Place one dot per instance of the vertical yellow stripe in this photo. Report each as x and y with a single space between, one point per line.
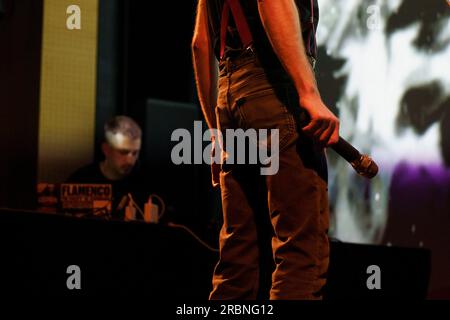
68 89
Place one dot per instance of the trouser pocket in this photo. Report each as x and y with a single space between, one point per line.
265 113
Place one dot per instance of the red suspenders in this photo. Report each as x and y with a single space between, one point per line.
243 29
241 24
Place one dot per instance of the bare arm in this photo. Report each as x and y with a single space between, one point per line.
205 65
206 74
281 22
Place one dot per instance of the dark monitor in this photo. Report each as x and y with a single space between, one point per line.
186 186
2 8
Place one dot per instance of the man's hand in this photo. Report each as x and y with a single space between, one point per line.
324 125
281 21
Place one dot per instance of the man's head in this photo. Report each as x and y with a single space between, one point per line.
122 146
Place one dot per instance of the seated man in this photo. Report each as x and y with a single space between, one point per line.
120 167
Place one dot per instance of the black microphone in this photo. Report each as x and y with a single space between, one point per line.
362 163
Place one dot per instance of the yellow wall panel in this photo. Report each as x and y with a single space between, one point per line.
68 89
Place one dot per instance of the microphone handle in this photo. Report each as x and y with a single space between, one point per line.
363 164
346 150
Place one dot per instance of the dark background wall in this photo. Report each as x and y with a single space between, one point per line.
110 91
20 45
157 59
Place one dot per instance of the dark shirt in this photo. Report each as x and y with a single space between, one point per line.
135 183
309 16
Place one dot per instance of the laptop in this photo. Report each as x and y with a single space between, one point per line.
75 198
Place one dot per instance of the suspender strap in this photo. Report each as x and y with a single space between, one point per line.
241 24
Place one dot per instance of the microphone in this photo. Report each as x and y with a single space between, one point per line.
362 163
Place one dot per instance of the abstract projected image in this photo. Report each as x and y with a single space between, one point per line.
384 65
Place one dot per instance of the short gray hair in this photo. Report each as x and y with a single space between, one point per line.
124 125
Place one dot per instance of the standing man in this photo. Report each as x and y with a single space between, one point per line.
266 50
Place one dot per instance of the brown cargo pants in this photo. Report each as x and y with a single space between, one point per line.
273 242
